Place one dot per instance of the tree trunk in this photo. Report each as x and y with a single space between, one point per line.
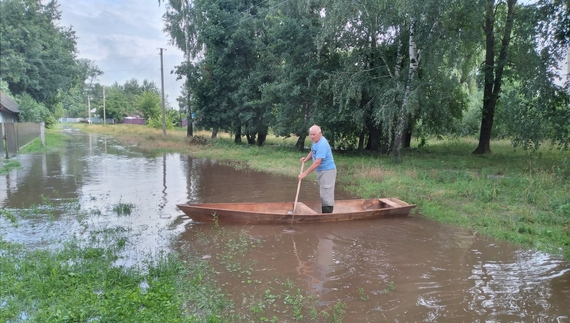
361 139
237 135
373 137
300 144
402 118
493 74
402 122
261 137
250 138
373 132
408 136
214 133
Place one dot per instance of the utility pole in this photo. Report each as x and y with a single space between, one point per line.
162 83
104 115
89 109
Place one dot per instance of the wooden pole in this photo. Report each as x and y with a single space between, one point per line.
297 196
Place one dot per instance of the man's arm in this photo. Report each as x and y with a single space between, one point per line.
314 166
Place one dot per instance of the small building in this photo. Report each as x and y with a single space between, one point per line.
8 117
8 109
133 120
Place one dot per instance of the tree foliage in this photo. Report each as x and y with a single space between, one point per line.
374 73
116 103
32 111
148 103
38 56
225 83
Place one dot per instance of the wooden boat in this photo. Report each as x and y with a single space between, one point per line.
305 212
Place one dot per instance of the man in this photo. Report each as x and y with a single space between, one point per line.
323 165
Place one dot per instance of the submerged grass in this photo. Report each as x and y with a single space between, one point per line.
124 208
7 165
81 284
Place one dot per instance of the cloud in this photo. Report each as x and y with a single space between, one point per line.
123 37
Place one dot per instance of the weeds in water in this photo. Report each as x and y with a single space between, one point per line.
35 211
363 296
338 312
297 300
389 288
46 201
5 213
8 165
89 288
123 208
215 219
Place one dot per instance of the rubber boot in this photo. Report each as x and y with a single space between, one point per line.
327 209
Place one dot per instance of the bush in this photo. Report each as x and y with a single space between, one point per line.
156 122
32 111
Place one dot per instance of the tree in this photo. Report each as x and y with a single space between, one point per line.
371 73
393 55
38 57
149 104
536 105
88 73
296 68
85 84
32 111
493 68
225 94
116 101
74 103
532 42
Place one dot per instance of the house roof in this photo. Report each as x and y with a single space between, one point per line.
6 103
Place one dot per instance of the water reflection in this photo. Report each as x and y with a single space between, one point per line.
402 270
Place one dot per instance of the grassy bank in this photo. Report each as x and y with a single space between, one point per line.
54 139
510 194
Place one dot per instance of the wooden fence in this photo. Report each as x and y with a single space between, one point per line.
17 135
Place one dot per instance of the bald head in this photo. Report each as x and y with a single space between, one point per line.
314 128
315 133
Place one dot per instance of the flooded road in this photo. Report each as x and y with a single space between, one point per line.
392 270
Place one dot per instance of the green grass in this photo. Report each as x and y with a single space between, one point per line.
8 164
123 208
54 139
81 284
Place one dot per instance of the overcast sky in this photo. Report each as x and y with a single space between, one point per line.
123 37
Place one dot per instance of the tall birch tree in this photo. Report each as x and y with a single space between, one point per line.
395 53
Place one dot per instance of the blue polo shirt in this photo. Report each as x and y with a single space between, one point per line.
322 149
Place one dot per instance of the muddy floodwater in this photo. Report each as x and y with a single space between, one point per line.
393 270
